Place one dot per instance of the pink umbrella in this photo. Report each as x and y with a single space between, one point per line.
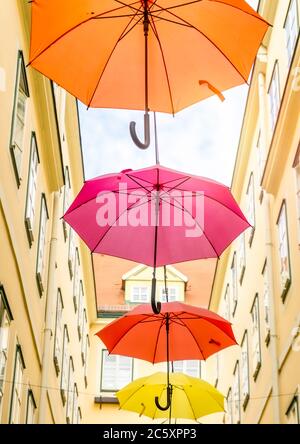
156 216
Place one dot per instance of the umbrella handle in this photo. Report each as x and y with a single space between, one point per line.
156 306
169 399
142 145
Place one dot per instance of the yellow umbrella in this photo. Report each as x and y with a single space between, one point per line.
191 398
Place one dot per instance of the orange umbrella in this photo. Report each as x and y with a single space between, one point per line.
159 55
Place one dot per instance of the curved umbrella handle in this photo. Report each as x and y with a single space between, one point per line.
156 306
142 145
169 400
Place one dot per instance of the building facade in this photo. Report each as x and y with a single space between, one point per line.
46 276
257 281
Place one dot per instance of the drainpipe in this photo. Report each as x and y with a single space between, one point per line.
50 312
269 254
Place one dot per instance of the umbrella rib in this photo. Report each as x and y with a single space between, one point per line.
139 184
105 192
192 334
175 186
154 29
111 53
185 211
132 394
75 27
127 209
190 403
157 338
208 38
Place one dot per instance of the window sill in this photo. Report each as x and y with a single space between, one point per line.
106 400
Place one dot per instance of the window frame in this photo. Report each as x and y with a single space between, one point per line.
295 401
20 71
139 301
267 308
29 224
236 380
234 284
70 392
30 396
163 297
76 280
255 306
242 258
40 274
251 187
6 313
113 390
58 359
18 355
290 55
66 197
229 405
185 370
245 396
275 74
65 360
284 288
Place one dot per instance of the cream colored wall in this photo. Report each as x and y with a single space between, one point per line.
17 259
278 184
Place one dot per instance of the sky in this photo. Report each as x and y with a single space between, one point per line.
202 139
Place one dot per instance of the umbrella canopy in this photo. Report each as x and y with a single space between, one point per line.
156 216
191 333
192 398
108 52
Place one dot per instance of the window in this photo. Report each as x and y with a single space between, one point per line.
75 404
81 312
5 318
291 27
172 294
251 206
76 284
236 408
58 338
31 188
293 413
227 303
234 291
242 257
140 294
72 252
255 333
217 369
85 358
70 394
274 95
79 416
191 367
41 252
261 155
31 408
65 367
245 371
17 388
229 409
19 116
266 302
67 197
285 271
116 371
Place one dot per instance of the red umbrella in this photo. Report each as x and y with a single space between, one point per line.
178 332
156 216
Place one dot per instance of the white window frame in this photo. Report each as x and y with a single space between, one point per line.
266 301
227 312
242 257
185 367
284 251
5 320
297 170
81 312
85 358
245 370
236 401
64 366
291 27
30 408
21 95
71 252
274 95
116 385
139 299
234 283
76 283
41 250
75 404
261 154
67 199
59 332
70 392
251 206
17 388
229 407
173 294
255 335
31 188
